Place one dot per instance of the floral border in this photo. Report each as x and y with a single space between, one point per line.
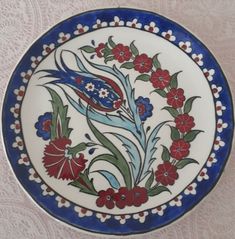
117 20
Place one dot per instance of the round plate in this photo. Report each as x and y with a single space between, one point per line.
117 121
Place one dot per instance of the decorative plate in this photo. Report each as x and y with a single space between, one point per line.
117 121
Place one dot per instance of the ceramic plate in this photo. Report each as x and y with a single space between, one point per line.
117 121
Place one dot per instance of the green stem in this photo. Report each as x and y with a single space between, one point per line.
78 148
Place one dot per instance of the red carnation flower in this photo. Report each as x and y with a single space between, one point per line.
179 149
184 123
160 79
106 198
140 196
166 174
121 53
99 50
123 197
176 97
143 63
59 164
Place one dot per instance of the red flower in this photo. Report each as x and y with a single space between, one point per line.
123 197
106 198
166 174
121 53
60 165
179 149
184 123
160 79
143 63
140 196
175 97
99 50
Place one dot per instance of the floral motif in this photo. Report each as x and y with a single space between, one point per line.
35 62
176 201
140 196
106 198
134 23
99 24
15 110
198 58
99 50
203 175
216 90
185 46
142 63
122 218
218 143
24 160
19 93
103 93
175 97
18 143
26 76
184 123
221 125
211 160
46 190
81 29
141 216
62 202
168 35
103 216
43 126
121 53
160 79
63 37
90 87
166 174
59 163
191 189
219 108
47 49
152 27
159 210
116 22
123 197
145 108
16 127
83 212
33 176
208 73
179 149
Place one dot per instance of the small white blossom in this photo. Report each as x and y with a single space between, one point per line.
18 143
159 210
19 93
103 93
219 108
90 87
33 176
191 189
186 46
221 125
151 27
26 76
211 160
202 175
63 37
218 143
47 49
122 218
134 23
62 202
81 29
198 59
176 201
24 160
99 24
116 22
35 61
103 216
209 73
216 90
16 126
141 216
168 35
15 110
46 190
83 212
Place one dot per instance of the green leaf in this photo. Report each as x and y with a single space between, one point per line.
60 121
111 42
174 113
117 159
157 190
160 92
165 154
175 135
143 77
183 162
191 135
156 62
127 65
88 49
108 58
174 80
188 104
107 51
134 49
149 182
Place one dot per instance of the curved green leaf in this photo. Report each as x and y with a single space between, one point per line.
174 80
188 104
191 135
174 113
183 162
156 62
175 134
157 190
143 77
111 42
149 182
88 49
165 154
134 49
127 65
162 93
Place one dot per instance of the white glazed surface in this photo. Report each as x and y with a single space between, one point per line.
21 22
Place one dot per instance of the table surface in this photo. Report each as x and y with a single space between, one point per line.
22 21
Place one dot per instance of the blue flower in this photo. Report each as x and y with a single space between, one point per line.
145 108
43 126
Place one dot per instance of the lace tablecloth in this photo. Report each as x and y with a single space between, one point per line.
22 21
